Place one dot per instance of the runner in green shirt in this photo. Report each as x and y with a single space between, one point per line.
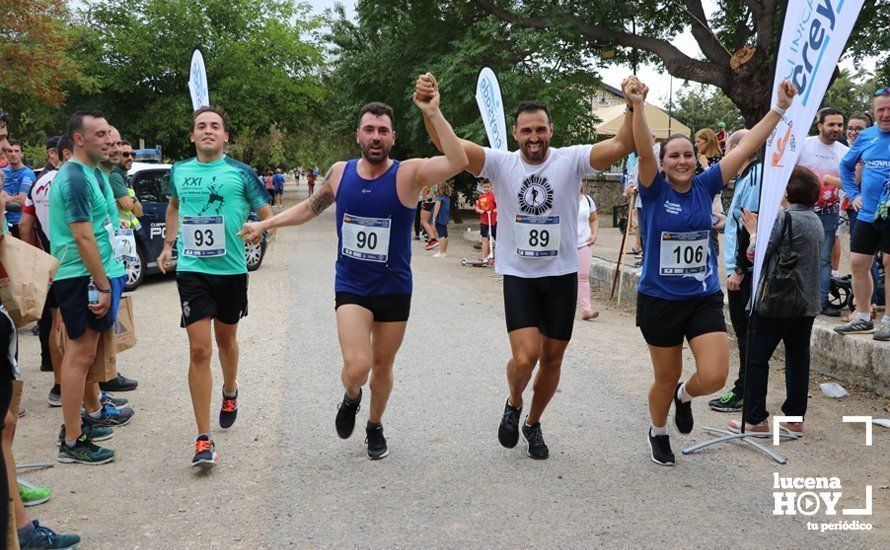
210 198
82 223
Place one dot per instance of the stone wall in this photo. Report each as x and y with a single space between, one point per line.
608 192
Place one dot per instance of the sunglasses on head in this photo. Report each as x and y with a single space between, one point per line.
883 91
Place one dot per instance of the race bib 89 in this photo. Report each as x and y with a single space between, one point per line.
537 236
203 236
684 253
365 239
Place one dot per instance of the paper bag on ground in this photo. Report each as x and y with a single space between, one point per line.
125 327
25 276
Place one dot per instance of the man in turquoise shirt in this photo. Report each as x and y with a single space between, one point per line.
210 198
82 213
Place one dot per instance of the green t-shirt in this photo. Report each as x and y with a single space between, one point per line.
81 194
215 199
118 180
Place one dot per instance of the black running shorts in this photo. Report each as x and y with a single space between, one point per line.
868 237
386 308
664 323
547 303
486 230
222 297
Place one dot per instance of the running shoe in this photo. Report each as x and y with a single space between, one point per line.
228 412
94 433
84 451
32 496
537 449
660 449
440 255
107 399
508 431
754 430
682 413
346 412
205 452
377 448
54 398
431 245
119 383
110 416
830 311
38 537
726 403
883 332
856 326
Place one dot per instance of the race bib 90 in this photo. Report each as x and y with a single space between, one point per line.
365 238
684 253
537 236
203 236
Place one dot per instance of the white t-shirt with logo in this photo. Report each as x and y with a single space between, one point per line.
39 198
537 210
823 160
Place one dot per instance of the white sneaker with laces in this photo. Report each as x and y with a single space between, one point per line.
440 255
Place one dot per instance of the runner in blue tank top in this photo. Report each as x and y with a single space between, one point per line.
376 197
679 293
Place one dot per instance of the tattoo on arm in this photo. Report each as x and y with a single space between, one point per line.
323 196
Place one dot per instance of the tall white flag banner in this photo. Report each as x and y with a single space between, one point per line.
488 97
198 82
813 38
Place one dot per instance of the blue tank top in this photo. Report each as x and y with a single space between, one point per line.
374 235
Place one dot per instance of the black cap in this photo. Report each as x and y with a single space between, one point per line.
53 142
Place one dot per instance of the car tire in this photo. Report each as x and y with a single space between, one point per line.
136 270
254 255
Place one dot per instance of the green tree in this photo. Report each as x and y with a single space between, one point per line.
704 106
260 66
648 28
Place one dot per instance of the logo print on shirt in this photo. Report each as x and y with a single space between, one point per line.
535 196
214 198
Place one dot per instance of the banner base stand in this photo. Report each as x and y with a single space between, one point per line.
726 435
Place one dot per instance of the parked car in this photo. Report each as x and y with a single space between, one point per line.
150 182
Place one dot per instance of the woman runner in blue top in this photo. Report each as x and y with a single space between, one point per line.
376 197
679 293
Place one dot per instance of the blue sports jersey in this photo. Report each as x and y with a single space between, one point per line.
872 149
679 262
374 233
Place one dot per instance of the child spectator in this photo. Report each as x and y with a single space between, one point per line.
441 214
488 220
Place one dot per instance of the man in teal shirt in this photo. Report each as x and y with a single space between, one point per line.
210 198
82 216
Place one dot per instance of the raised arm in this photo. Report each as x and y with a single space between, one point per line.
606 153
647 165
436 169
426 86
754 140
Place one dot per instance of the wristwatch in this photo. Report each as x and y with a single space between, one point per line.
739 270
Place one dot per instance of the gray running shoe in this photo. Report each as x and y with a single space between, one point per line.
883 332
856 326
84 452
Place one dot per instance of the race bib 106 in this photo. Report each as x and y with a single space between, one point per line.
365 238
684 253
203 236
537 236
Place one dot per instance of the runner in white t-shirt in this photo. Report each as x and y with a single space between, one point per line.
536 190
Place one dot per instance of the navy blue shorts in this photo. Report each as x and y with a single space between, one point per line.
73 299
486 230
442 230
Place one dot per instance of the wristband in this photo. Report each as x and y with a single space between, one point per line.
779 110
630 108
104 291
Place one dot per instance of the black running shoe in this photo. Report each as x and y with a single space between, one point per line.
682 413
508 431
119 383
731 402
660 449
377 448
205 452
228 412
346 412
537 449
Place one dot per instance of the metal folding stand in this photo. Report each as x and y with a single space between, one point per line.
726 435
